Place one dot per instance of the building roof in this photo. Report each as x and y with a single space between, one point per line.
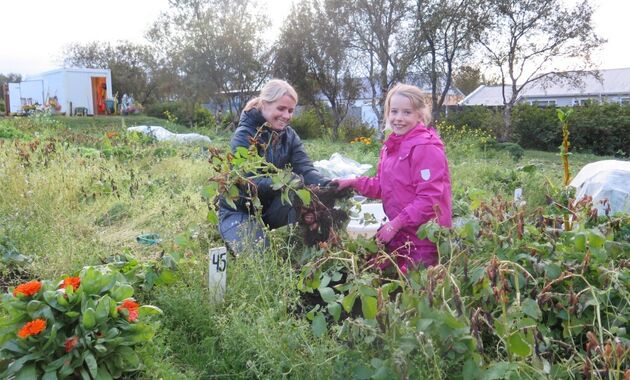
486 96
610 82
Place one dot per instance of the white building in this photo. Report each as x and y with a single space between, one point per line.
612 86
65 90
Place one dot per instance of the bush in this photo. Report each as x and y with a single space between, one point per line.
515 150
602 129
308 124
2 106
351 128
86 326
477 117
536 127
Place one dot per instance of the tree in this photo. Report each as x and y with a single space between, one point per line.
315 35
529 39
467 79
133 66
448 30
8 78
215 47
381 39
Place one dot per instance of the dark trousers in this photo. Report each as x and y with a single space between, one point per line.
243 233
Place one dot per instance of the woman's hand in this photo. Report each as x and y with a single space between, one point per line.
387 232
343 183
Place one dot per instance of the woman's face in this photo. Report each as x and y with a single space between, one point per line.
279 113
402 117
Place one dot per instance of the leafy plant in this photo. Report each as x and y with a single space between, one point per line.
87 326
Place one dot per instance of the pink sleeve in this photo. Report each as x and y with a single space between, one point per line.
370 186
430 167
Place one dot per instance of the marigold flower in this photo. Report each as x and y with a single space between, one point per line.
132 308
71 343
32 328
74 281
27 289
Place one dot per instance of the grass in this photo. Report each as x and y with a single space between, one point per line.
75 207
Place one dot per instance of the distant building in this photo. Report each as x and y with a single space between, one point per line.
361 109
613 86
64 90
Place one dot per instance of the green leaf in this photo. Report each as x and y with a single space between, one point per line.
166 277
369 307
553 271
90 361
500 370
28 372
470 370
210 191
89 318
348 301
335 310
319 325
530 307
129 356
305 196
102 309
596 239
51 375
103 374
121 292
212 217
328 294
517 345
145 310
33 306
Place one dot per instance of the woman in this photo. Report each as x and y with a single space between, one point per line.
412 179
265 119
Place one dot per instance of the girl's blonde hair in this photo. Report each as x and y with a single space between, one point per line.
272 91
415 95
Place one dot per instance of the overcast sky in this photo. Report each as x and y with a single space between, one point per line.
36 31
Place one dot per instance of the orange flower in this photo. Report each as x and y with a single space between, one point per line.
32 328
73 281
71 343
28 289
132 308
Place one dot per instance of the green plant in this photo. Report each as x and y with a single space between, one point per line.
308 124
86 326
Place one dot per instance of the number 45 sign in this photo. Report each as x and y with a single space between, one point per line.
217 273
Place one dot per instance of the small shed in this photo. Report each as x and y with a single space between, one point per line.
64 90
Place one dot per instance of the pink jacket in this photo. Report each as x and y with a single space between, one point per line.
414 183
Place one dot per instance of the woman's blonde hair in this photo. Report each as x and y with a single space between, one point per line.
272 91
415 95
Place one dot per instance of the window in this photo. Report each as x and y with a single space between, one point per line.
544 103
625 101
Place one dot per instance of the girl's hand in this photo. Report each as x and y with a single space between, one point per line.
387 231
343 183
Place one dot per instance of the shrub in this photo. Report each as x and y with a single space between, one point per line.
536 127
86 326
2 106
602 129
477 117
515 150
351 129
308 124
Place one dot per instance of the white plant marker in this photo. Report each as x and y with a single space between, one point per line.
217 273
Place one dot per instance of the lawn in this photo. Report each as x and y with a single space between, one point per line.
516 295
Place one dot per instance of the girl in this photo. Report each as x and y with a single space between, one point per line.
412 179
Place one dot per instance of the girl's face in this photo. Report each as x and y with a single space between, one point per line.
402 117
279 113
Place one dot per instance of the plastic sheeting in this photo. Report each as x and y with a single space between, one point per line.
610 180
341 167
162 134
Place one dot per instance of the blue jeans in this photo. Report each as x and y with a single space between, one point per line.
242 232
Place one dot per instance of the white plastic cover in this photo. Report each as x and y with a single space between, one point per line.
608 179
341 167
162 134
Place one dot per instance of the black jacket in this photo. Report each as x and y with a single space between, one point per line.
285 149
